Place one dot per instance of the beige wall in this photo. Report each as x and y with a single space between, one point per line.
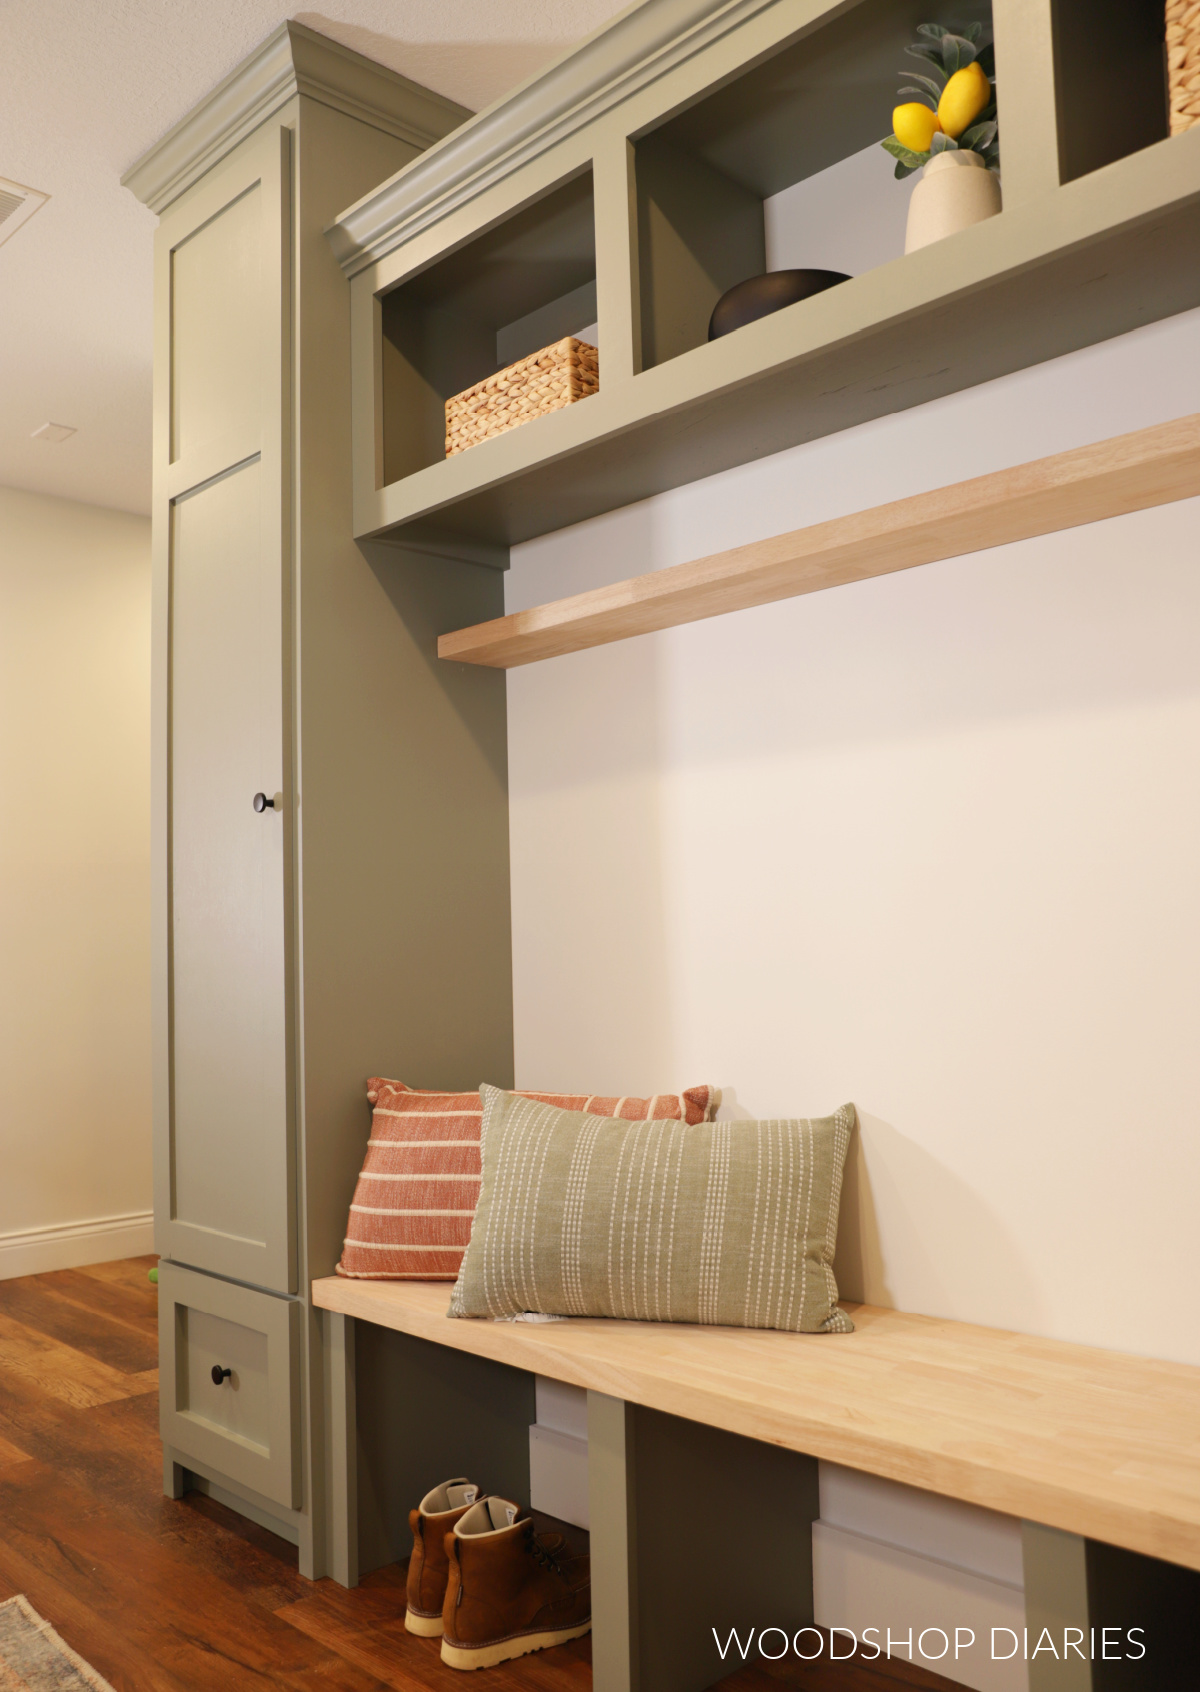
74 883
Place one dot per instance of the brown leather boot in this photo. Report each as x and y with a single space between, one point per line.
428 1567
511 1590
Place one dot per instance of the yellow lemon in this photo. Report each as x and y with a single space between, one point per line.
967 93
915 126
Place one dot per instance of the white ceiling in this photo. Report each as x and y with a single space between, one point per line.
84 90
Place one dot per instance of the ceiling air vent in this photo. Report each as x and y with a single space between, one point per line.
17 206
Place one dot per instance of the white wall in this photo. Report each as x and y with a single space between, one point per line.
927 842
74 884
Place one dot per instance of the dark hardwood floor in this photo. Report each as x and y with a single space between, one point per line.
165 1596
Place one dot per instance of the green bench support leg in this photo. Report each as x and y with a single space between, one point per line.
1056 1598
693 1530
342 1423
1131 1616
612 1507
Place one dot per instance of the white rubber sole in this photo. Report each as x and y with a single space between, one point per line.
487 1656
429 1627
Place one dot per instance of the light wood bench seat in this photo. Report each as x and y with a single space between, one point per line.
1094 1442
1097 1452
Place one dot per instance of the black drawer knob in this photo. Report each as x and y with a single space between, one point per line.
262 803
219 1374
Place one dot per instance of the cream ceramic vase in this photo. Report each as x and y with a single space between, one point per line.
956 189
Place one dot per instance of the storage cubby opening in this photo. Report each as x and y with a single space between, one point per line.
521 285
780 168
1110 71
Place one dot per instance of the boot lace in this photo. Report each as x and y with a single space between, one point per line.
546 1556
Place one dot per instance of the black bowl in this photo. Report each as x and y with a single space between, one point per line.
759 296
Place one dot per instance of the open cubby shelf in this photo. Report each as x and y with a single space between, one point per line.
709 176
1111 83
654 166
1149 467
514 288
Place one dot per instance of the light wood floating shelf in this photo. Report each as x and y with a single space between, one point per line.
1092 1442
1129 473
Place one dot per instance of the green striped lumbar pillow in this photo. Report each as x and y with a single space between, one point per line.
716 1222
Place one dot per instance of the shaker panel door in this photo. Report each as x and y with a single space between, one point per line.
229 1012
224 1139
217 307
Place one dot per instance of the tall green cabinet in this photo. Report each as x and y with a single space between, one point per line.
330 814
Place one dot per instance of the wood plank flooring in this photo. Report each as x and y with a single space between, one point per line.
185 1596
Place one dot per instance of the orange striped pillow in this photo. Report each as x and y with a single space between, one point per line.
411 1216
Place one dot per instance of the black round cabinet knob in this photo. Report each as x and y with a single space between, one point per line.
262 803
759 296
219 1374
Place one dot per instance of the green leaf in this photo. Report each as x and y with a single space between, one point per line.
932 56
927 82
979 137
957 51
943 144
906 156
972 32
903 170
923 99
987 61
935 32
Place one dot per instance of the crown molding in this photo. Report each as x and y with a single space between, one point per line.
637 47
293 60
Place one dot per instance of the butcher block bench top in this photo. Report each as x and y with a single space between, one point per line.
1094 1442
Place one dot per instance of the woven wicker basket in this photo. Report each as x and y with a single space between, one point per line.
545 381
1183 63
